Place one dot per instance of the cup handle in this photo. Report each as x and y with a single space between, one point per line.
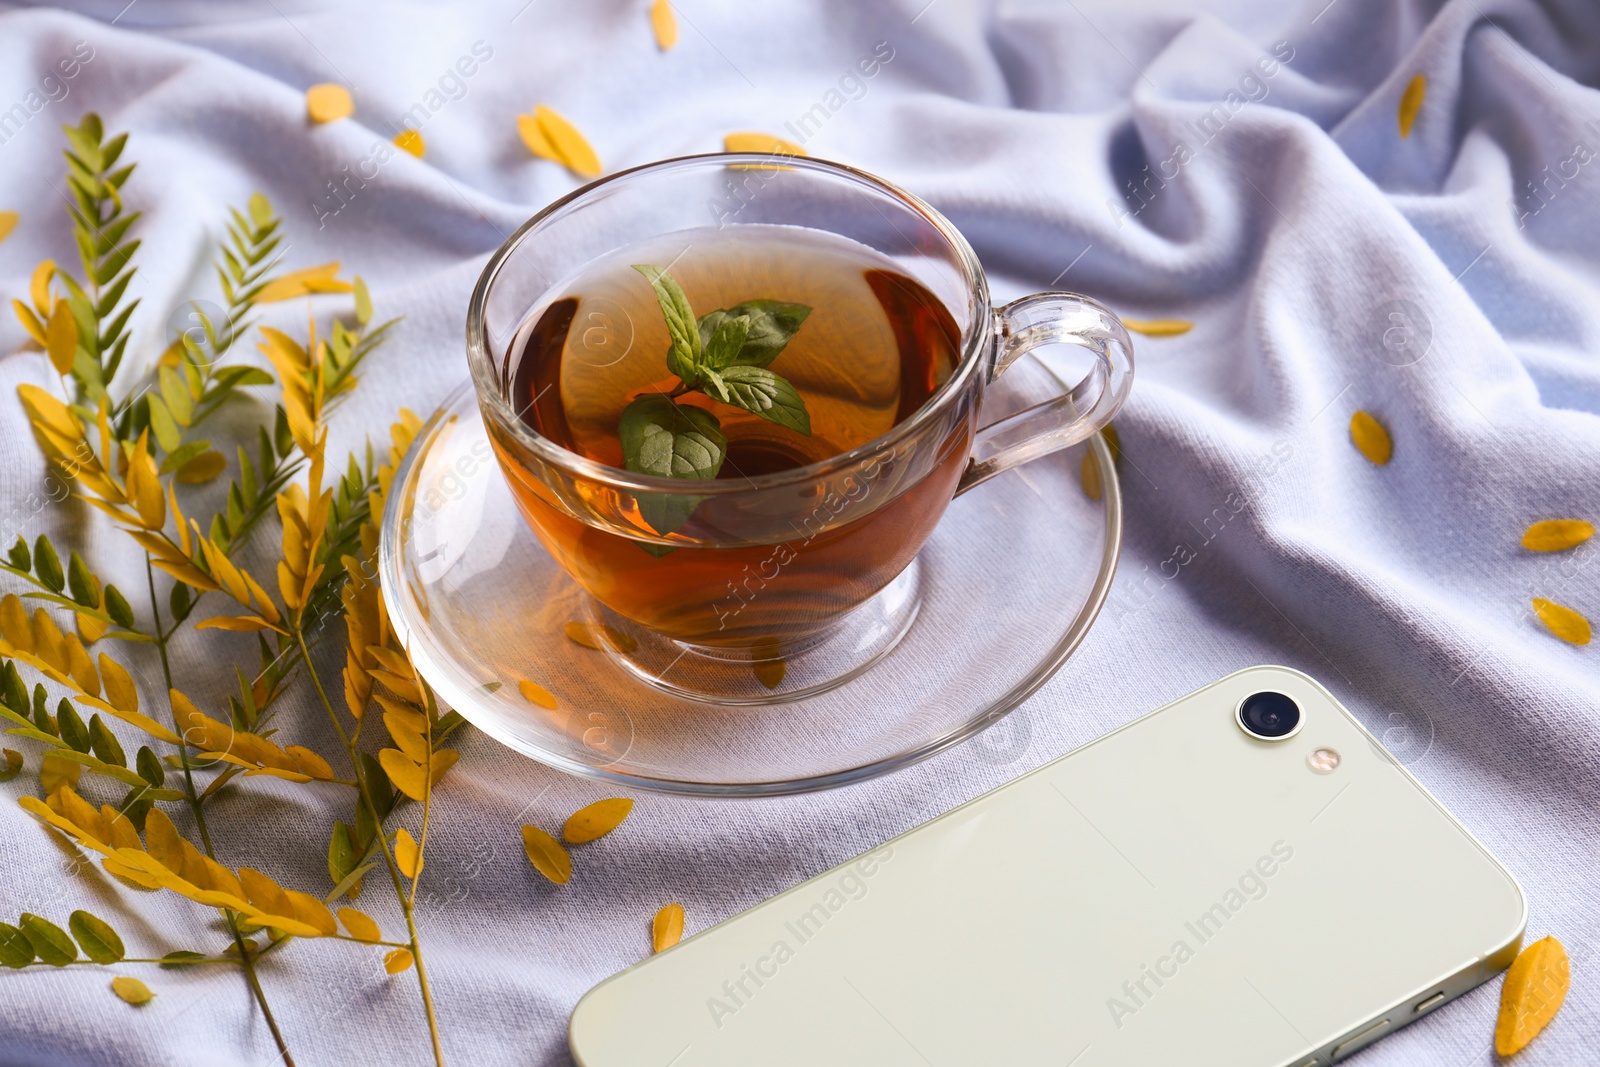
1076 415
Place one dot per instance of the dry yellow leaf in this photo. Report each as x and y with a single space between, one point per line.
328 102
319 279
1411 103
1554 535
9 219
749 141
407 856
547 855
1534 988
131 990
534 693
665 24
1370 438
61 338
599 636
1562 621
55 772
1159 327
596 820
549 135
39 285
1089 470
397 961
769 663
411 141
666 929
360 925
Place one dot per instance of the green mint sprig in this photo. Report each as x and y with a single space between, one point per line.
723 354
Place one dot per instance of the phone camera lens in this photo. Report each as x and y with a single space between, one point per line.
1269 716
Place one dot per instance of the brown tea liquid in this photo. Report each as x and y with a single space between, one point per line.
874 349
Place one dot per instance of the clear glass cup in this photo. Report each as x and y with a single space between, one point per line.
813 563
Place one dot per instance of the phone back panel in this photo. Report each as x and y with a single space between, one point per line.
1174 892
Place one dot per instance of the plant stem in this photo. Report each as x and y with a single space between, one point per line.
365 793
200 822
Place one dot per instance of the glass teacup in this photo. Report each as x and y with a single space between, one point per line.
815 560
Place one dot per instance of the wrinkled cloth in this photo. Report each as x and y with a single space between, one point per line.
1240 167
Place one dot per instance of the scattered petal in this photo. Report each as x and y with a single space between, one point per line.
1554 535
666 929
1562 621
599 636
596 820
1534 988
1159 327
328 102
1370 438
1411 103
411 141
760 142
397 961
534 693
665 24
9 219
547 855
131 990
549 135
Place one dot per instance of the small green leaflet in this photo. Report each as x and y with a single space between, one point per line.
100 943
772 324
683 358
764 393
671 440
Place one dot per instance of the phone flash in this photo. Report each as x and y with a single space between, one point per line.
1324 760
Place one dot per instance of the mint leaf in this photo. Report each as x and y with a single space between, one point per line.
772 325
764 393
665 512
671 440
725 342
683 358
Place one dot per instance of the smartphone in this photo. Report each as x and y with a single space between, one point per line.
1243 878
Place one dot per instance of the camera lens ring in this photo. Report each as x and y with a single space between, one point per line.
1269 716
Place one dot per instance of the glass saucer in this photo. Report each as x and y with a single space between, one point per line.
1009 583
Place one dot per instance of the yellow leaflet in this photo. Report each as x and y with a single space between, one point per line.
411 141
202 468
360 925
404 772
666 929
664 23
54 773
1159 327
1534 988
328 102
1370 438
1562 621
9 220
131 990
442 761
1554 535
404 688
534 693
1411 103
61 338
750 141
397 961
132 718
769 663
596 820
547 855
549 135
533 136
319 279
39 286
599 636
30 322
1089 477
244 624
407 856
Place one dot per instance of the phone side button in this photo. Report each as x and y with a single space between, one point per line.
1371 1033
1429 1003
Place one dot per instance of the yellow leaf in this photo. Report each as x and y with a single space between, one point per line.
407 856
1411 103
401 687
1159 327
410 141
770 666
61 338
547 855
664 23
55 772
120 690
596 820
750 141
8 222
1554 535
1534 988
327 102
599 636
202 468
1562 621
404 772
393 660
534 693
31 323
360 925
442 761
319 279
666 929
131 990
1370 438
244 624
552 137
39 286
397 961
132 718
309 762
